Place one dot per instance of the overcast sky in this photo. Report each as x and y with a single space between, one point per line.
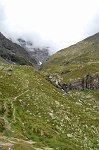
54 23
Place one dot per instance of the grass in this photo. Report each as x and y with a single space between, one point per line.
38 111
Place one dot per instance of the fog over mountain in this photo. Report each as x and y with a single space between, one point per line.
49 23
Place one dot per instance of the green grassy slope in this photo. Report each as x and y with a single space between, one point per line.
75 61
33 109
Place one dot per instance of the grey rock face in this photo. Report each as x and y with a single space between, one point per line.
90 82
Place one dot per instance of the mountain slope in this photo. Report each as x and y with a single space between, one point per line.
33 109
74 62
41 54
14 53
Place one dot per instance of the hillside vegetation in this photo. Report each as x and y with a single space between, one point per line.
33 109
74 62
36 115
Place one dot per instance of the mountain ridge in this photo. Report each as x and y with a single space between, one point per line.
14 53
74 62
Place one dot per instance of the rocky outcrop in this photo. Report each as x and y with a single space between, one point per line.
90 82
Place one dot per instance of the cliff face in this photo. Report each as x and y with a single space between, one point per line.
90 82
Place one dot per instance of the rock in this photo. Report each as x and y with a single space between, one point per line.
1 67
89 82
65 63
64 71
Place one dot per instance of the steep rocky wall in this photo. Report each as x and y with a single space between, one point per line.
90 82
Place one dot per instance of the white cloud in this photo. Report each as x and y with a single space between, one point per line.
59 23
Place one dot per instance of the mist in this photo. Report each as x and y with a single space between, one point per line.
49 23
